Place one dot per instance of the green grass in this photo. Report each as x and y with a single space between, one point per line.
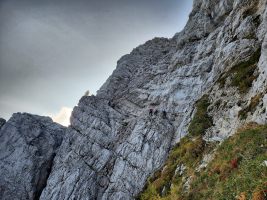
243 74
189 151
221 180
201 120
249 148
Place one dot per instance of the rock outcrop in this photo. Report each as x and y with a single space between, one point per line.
28 145
2 122
123 134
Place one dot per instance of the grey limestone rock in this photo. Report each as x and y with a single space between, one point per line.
27 148
2 122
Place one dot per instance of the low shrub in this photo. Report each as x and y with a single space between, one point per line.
201 120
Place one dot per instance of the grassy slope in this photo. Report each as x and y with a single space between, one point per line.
236 172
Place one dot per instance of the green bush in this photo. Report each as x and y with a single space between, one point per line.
201 120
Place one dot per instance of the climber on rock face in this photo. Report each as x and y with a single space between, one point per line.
164 114
150 111
156 112
112 105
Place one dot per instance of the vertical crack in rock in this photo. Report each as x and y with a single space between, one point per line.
2 122
44 173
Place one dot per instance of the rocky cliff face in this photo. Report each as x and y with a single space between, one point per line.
28 145
123 134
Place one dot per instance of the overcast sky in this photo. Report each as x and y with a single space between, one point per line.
52 51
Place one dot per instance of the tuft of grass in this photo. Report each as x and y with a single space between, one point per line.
243 74
150 193
201 120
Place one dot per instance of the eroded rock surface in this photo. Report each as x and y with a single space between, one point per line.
28 144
